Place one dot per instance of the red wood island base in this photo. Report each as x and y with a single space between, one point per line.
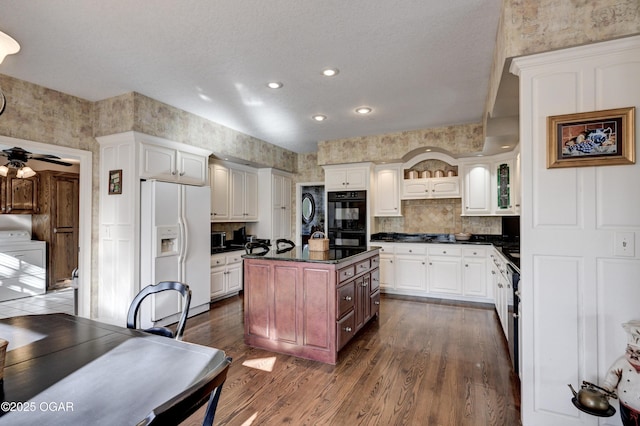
309 304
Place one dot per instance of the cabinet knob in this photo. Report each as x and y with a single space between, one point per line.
466 265
410 251
347 329
348 298
55 230
364 284
444 252
173 173
182 173
377 302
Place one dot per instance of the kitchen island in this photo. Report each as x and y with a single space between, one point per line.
309 304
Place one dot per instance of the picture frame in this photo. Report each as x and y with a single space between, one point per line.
596 138
115 182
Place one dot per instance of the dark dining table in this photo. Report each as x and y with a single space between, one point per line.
62 369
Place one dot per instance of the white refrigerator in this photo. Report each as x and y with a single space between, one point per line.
174 246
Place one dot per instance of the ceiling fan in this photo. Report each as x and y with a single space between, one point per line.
18 158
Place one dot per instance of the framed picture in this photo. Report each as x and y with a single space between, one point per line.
597 138
115 182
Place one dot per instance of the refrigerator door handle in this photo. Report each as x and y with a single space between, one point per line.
184 244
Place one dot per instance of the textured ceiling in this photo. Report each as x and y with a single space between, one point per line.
417 63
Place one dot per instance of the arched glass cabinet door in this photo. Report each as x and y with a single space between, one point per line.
308 207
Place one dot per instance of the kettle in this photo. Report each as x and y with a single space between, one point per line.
592 397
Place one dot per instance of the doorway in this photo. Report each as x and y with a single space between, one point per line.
312 207
84 184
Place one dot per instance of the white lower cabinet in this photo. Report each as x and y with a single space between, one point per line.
387 266
449 271
410 267
501 287
445 270
226 274
474 272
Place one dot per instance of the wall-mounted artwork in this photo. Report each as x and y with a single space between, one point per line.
115 182
597 138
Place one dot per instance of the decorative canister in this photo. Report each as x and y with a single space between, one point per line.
412 174
438 173
425 174
451 173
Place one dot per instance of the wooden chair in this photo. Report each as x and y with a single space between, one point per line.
173 411
184 290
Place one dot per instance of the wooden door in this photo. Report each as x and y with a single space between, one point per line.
63 254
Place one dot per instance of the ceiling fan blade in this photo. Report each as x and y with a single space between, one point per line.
51 160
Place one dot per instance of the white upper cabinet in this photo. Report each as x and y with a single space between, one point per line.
234 193
492 187
243 195
387 190
351 176
477 189
170 164
219 180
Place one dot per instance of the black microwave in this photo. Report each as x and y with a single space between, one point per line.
218 239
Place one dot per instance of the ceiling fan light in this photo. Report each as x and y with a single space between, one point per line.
25 172
8 46
4 170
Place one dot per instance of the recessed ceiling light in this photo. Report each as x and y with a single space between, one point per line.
363 110
274 85
330 72
428 150
319 117
505 146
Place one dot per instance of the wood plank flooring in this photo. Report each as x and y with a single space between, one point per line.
420 363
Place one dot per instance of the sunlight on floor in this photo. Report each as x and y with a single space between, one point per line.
264 364
250 420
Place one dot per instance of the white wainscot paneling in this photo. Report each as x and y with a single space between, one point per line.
556 304
557 195
618 295
616 207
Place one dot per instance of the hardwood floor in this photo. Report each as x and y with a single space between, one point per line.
420 363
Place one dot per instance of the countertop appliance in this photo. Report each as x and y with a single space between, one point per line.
174 248
218 240
347 219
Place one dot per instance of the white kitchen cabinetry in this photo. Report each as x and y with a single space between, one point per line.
387 190
243 191
504 184
226 274
169 164
274 204
477 189
501 288
474 272
219 181
410 267
491 188
387 266
450 271
445 268
444 187
24 269
352 176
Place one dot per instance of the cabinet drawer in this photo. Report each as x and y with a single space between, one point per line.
375 280
346 328
234 258
346 298
445 250
384 248
218 260
363 266
375 303
410 249
346 273
474 252
375 262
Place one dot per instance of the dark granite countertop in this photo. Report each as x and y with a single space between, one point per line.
302 254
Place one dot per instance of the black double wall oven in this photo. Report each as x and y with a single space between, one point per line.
347 219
